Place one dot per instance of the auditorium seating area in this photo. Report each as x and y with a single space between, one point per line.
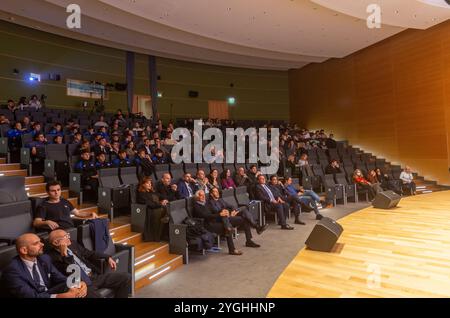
23 176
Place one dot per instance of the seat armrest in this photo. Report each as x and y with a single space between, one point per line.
8 241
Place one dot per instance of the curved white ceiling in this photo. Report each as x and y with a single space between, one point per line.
267 34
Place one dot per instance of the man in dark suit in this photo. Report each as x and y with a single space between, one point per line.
166 190
216 204
102 147
278 190
66 252
215 222
186 186
143 160
272 203
32 275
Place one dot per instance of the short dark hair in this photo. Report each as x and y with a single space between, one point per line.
52 184
273 177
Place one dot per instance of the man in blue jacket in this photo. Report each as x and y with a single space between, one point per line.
32 275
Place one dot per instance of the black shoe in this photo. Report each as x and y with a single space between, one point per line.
260 229
319 217
251 244
299 222
286 227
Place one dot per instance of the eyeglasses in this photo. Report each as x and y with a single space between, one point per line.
67 236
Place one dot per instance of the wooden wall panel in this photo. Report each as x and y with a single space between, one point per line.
392 99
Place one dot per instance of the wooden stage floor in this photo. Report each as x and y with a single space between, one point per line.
403 252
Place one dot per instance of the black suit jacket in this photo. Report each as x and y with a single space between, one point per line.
262 195
18 282
166 193
91 258
206 213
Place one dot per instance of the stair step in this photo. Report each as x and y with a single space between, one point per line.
157 269
146 253
20 173
89 209
34 180
35 188
116 230
9 166
131 238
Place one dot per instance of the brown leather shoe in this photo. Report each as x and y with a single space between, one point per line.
236 252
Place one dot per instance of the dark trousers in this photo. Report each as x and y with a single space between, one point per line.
282 211
369 189
411 187
234 221
119 282
295 204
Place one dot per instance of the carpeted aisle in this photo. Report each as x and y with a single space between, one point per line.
249 275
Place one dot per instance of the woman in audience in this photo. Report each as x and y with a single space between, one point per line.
11 105
214 179
363 184
303 160
226 180
407 178
34 103
130 149
373 179
156 210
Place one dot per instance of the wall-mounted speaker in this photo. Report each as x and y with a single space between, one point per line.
193 94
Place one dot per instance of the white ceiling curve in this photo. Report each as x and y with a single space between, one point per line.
263 34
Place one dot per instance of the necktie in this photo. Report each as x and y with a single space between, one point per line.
36 278
79 262
272 198
189 190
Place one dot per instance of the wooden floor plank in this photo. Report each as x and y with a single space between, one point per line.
402 252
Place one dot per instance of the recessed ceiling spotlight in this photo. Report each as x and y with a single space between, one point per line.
397 12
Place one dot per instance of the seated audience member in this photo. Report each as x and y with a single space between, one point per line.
407 178
130 149
215 222
279 190
12 105
241 179
101 122
203 182
387 183
88 171
34 103
58 140
363 184
306 197
56 130
333 168
373 179
66 252
23 103
156 209
147 147
253 174
36 128
4 120
122 160
166 190
89 134
101 162
32 274
55 212
159 157
102 146
186 186
143 160
115 149
236 218
290 163
76 138
37 147
330 142
15 137
303 161
272 203
227 180
214 179
84 145
26 124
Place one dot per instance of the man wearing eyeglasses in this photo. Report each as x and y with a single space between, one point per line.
66 252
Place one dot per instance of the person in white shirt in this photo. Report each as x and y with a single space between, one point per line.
34 102
407 178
